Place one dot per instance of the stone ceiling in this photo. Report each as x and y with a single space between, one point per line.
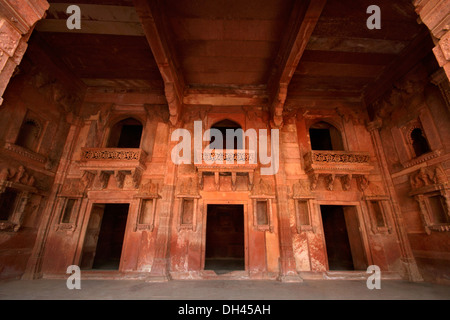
233 52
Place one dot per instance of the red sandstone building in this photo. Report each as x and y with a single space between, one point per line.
87 115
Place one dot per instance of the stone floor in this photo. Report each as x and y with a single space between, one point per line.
221 290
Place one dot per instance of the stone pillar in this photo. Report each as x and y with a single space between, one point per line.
288 272
409 263
17 20
161 264
435 14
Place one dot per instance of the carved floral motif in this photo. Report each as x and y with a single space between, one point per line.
111 154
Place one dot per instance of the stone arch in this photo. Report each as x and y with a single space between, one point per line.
225 124
29 134
126 133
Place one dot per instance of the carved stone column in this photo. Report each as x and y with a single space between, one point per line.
17 20
411 269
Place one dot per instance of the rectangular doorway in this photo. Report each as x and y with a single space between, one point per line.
344 245
225 240
105 232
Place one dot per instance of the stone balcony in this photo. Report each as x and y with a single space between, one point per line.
345 164
226 162
105 162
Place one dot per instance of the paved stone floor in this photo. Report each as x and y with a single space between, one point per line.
221 290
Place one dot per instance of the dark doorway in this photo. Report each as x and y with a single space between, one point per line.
126 134
225 244
344 245
104 237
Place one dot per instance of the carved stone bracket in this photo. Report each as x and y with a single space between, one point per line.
120 178
363 182
103 178
346 182
329 180
314 179
136 176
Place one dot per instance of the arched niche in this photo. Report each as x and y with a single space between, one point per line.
29 135
126 133
325 136
225 125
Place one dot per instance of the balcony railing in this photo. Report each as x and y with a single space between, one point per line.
105 162
112 154
227 159
338 162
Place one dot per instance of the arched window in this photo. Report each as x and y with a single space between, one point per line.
419 142
324 136
29 135
126 134
232 126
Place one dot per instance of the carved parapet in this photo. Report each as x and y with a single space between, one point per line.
332 164
112 154
105 162
338 161
233 162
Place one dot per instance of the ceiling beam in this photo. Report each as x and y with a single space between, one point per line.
302 22
95 19
151 15
225 96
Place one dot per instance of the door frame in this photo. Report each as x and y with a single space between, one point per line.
128 227
361 225
204 207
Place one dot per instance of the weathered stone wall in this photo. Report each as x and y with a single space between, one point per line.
417 103
38 95
17 20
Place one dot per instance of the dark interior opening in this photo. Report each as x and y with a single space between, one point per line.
28 135
104 237
438 212
7 203
225 245
222 126
126 134
344 245
324 136
420 143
